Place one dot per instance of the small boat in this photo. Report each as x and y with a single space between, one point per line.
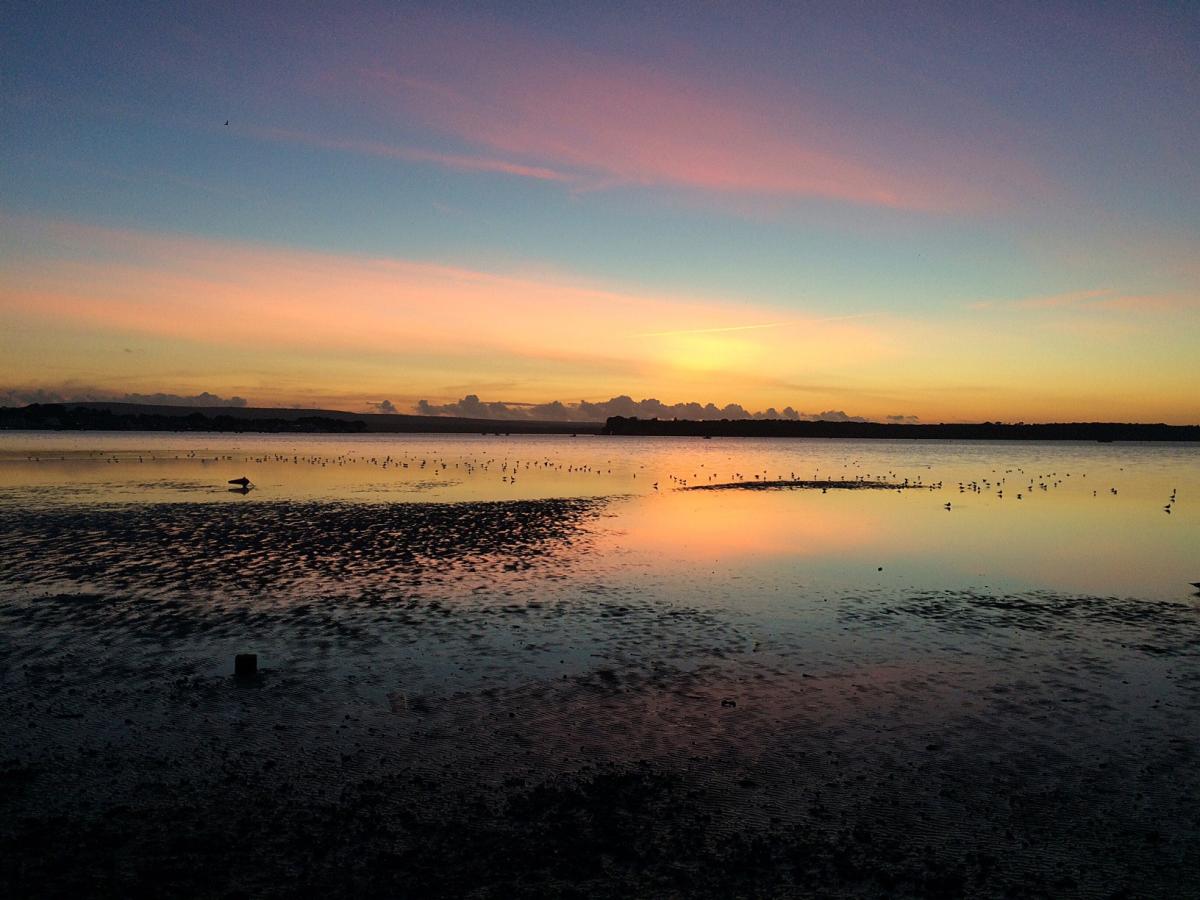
243 481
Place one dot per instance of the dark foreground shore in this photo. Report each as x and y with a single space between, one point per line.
468 701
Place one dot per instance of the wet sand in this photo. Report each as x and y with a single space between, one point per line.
466 700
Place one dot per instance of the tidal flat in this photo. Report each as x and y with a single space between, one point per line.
592 682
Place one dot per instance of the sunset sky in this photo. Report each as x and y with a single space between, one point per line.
955 212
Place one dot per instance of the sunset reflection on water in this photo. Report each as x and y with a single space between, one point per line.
1067 517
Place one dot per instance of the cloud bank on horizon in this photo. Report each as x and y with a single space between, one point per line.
26 396
472 407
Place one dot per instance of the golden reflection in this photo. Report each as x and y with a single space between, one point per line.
1085 518
701 527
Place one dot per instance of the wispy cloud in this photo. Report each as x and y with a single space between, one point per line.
411 154
231 293
600 120
722 330
755 327
281 323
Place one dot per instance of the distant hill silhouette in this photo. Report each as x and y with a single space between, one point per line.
115 416
984 431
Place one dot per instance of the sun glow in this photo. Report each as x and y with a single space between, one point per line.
706 352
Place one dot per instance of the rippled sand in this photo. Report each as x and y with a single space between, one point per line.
471 699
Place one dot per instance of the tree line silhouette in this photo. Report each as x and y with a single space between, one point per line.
983 431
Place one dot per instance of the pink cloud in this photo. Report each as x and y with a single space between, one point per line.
203 289
605 121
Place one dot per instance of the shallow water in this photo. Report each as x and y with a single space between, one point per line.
586 683
1071 517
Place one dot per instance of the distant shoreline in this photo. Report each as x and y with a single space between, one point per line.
269 420
260 420
1102 432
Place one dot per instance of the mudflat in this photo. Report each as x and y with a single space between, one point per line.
474 699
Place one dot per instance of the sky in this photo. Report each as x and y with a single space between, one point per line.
953 212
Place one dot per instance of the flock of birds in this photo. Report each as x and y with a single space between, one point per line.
1015 481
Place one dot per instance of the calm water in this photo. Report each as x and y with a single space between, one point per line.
1070 518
